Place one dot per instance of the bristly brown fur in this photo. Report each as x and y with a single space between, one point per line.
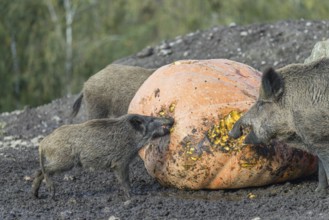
109 92
293 106
98 144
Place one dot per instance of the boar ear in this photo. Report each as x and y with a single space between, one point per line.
272 85
137 122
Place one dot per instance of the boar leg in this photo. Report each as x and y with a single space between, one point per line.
51 169
322 176
37 182
122 174
322 153
38 177
50 185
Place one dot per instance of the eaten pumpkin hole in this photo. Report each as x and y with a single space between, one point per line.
168 111
216 139
218 133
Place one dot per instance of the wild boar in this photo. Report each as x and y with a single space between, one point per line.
293 106
109 92
98 144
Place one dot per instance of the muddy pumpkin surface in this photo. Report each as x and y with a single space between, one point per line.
206 97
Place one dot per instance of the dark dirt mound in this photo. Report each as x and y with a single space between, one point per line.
97 195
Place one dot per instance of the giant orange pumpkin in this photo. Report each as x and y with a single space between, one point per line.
206 97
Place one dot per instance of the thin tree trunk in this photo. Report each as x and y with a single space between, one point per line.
15 67
54 19
69 15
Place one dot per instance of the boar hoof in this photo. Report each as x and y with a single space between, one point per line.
321 191
323 182
35 195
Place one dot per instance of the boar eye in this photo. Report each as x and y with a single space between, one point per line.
261 103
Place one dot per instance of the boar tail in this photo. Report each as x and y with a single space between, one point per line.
76 105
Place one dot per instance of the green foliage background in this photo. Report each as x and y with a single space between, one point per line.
39 63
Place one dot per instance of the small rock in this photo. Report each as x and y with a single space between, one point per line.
178 41
148 51
65 214
232 24
56 119
27 178
106 210
15 144
8 138
190 34
165 52
44 124
126 203
114 218
320 50
72 201
164 46
243 33
210 36
68 177
36 140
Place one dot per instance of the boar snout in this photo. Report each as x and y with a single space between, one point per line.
236 131
168 125
163 127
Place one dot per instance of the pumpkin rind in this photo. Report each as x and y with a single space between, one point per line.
200 95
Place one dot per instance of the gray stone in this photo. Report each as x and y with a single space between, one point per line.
320 50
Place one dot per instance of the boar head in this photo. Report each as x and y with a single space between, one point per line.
151 127
270 117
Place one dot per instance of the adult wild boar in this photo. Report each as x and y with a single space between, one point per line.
293 106
98 144
109 92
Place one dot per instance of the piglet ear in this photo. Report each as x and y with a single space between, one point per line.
272 85
137 122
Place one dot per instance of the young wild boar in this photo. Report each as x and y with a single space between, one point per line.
293 106
98 144
109 92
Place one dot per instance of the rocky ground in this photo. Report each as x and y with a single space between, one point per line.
97 195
